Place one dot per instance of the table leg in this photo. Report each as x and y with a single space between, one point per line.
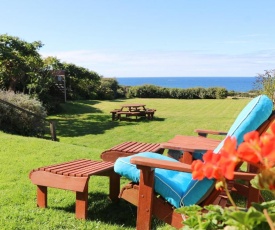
113 116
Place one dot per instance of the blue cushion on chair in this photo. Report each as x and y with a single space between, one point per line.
178 188
250 118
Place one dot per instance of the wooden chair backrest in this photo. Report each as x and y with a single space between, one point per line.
264 127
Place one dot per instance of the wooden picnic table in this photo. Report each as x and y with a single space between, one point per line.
134 109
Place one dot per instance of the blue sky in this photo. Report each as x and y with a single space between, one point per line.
147 38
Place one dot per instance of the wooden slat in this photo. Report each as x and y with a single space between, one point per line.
145 147
57 165
130 145
51 168
93 169
135 147
70 168
138 147
122 146
129 148
77 168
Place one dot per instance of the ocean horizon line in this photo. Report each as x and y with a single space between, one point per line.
177 76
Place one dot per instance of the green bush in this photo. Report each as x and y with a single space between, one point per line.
16 121
221 93
152 91
109 89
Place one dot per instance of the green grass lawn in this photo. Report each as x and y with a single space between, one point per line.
84 130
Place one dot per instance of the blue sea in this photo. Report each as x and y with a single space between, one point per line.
238 84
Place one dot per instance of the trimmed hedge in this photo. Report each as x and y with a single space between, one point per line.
152 91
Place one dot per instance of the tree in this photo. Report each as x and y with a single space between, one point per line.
81 81
19 62
265 83
108 88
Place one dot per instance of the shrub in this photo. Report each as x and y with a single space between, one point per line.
109 89
144 91
152 91
16 121
211 93
221 93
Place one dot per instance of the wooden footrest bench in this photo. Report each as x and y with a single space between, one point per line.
129 148
74 176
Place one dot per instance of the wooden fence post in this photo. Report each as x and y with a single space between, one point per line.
53 130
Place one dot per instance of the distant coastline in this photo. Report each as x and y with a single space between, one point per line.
238 84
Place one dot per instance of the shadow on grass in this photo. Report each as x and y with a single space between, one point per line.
120 213
81 118
79 107
93 124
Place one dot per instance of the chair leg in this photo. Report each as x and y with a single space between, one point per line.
145 200
81 204
42 196
114 186
253 196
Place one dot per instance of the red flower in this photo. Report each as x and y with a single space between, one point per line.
259 149
229 158
197 170
217 165
211 165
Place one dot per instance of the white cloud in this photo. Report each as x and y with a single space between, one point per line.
185 63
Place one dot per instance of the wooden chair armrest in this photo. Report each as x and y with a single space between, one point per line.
178 166
205 132
155 163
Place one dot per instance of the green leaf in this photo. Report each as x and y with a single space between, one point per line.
190 210
269 205
192 222
255 182
214 208
246 220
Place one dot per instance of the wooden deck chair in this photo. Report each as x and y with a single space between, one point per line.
161 184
